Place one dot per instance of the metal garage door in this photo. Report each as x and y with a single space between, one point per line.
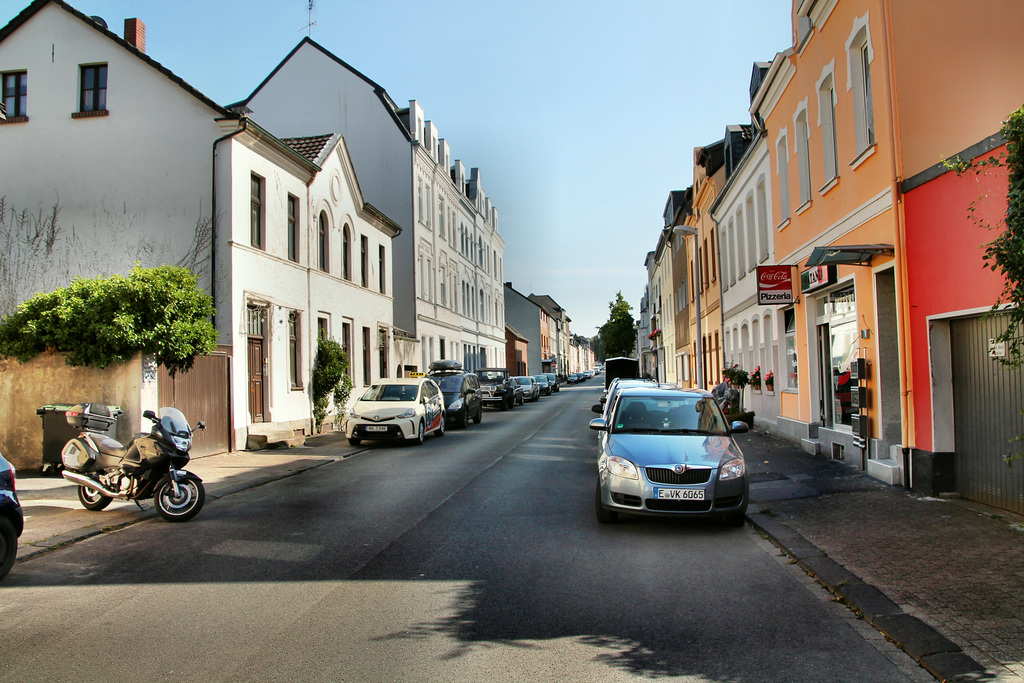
202 394
988 398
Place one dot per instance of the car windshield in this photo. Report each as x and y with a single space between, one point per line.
391 392
452 384
541 379
669 415
491 377
525 381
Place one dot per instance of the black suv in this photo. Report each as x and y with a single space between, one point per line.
498 388
462 400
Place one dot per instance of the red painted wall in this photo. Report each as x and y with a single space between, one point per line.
945 264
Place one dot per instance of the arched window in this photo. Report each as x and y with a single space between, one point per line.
323 237
346 253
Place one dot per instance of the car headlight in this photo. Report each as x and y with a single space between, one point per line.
620 467
407 414
352 412
456 404
734 469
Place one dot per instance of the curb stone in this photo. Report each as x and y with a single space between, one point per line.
934 652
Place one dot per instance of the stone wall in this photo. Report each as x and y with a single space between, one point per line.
46 380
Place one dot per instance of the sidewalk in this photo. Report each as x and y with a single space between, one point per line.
943 579
54 517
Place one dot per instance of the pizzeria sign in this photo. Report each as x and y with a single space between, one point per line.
775 285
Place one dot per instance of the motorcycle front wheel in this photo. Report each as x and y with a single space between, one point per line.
92 500
181 507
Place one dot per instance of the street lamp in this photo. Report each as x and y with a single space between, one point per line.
687 230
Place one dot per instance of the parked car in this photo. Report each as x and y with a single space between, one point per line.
531 390
668 451
497 388
544 383
12 520
461 391
553 380
573 378
394 409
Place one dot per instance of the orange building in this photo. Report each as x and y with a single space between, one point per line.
859 113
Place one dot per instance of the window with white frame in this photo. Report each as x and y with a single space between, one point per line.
859 56
741 248
782 170
803 160
751 234
762 218
732 252
827 122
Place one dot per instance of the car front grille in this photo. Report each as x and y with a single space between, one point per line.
662 475
678 505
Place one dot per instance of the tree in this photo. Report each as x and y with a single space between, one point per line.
618 335
598 348
106 321
330 379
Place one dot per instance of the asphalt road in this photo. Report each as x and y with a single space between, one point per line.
475 557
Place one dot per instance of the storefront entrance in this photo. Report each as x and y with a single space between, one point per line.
837 348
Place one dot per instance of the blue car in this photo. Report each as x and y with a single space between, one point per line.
12 521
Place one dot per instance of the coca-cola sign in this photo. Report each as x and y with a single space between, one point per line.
774 285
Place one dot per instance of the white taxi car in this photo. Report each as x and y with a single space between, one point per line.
392 409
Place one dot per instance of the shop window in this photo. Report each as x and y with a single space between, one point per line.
792 367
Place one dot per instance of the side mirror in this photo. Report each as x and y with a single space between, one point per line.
150 414
200 425
599 424
604 399
739 427
597 408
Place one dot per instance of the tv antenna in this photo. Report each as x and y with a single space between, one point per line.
308 28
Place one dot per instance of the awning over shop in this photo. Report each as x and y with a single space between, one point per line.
853 255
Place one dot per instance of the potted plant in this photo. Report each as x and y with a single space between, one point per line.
755 378
769 381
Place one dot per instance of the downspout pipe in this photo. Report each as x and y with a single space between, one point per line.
213 210
900 251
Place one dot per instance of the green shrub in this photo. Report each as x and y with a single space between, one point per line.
330 379
106 321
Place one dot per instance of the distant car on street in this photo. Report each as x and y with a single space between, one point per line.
12 519
497 388
462 398
531 390
544 383
553 380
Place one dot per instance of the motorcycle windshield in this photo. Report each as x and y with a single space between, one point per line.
172 421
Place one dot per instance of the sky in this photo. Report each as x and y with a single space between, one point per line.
582 115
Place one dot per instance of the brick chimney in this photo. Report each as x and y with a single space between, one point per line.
135 33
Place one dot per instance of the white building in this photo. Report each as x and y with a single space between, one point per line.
134 163
750 331
449 258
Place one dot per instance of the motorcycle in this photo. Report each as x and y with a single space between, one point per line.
151 466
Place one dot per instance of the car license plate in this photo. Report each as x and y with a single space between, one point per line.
376 428
679 494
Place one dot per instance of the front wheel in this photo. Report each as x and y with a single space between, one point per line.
421 435
92 500
440 430
479 414
354 442
182 506
603 514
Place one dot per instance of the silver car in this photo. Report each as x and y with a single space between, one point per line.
667 451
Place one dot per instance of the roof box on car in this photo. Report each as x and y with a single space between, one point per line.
445 365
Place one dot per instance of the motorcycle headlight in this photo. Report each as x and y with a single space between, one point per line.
181 443
456 404
734 469
407 414
621 467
